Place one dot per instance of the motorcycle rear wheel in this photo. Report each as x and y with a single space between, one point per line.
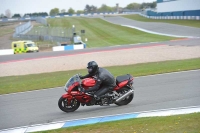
63 105
126 100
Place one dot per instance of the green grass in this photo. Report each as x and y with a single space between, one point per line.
188 123
13 84
191 23
5 29
101 33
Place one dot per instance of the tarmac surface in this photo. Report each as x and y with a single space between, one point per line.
180 42
151 93
118 57
163 28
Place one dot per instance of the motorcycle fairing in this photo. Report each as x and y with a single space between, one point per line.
88 82
81 97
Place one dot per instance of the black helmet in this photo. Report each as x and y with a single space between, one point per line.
92 67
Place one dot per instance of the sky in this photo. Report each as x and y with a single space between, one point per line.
31 6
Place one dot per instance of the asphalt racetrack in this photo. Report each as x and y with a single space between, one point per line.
10 58
151 92
163 91
162 28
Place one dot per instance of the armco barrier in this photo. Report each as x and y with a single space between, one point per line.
69 47
6 51
35 18
172 17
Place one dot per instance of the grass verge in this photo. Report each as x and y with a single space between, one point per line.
101 33
188 123
191 23
6 28
13 84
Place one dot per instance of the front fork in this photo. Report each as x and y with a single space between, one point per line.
68 97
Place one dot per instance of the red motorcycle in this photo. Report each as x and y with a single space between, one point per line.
122 94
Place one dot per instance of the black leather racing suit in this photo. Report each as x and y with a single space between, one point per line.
105 81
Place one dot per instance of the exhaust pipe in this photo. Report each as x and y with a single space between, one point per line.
124 96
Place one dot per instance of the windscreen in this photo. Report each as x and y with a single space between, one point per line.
31 45
71 81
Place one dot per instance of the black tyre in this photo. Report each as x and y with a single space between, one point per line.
63 105
126 100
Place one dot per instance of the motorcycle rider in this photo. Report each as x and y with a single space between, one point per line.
105 81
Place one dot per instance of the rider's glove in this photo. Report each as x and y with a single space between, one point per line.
81 77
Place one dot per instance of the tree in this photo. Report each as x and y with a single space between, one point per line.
87 9
71 11
133 6
130 6
105 8
16 16
79 11
8 13
93 9
54 11
36 14
26 15
63 10
43 14
90 9
114 9
154 4
147 5
2 16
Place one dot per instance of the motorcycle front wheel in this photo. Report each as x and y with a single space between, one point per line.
63 105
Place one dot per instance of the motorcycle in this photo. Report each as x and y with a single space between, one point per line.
122 94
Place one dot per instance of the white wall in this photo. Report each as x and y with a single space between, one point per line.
58 48
81 46
6 51
178 5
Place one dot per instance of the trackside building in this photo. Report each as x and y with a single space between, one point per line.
176 8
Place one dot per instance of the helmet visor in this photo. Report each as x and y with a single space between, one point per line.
89 69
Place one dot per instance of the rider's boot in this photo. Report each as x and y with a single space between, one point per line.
97 98
93 101
105 102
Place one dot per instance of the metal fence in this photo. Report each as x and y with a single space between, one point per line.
22 29
43 33
41 20
144 14
44 38
54 34
51 31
